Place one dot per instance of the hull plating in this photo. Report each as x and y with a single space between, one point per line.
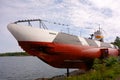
64 55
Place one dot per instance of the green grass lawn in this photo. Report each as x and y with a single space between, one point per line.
107 69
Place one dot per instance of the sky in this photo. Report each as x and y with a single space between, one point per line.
78 14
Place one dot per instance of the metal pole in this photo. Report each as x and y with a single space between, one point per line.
68 30
40 24
67 72
29 24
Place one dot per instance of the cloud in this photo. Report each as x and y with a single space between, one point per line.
86 2
97 12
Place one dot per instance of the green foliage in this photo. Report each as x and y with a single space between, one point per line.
117 42
111 61
15 54
108 69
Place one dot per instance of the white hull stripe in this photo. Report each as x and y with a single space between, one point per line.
98 43
25 33
83 41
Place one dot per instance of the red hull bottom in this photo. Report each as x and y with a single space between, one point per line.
65 55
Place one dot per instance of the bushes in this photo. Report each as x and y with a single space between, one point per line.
107 69
111 61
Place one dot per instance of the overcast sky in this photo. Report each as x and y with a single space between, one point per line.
79 13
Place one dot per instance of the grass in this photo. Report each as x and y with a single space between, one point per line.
107 69
14 54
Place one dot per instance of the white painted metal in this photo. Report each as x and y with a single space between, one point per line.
83 41
112 46
98 43
27 33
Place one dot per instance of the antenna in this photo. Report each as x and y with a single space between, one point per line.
99 26
68 30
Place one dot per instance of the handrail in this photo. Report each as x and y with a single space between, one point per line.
29 20
41 24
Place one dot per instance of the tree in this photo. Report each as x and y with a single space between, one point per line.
117 42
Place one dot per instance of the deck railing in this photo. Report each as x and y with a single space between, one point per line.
41 24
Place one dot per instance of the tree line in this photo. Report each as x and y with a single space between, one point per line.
14 54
